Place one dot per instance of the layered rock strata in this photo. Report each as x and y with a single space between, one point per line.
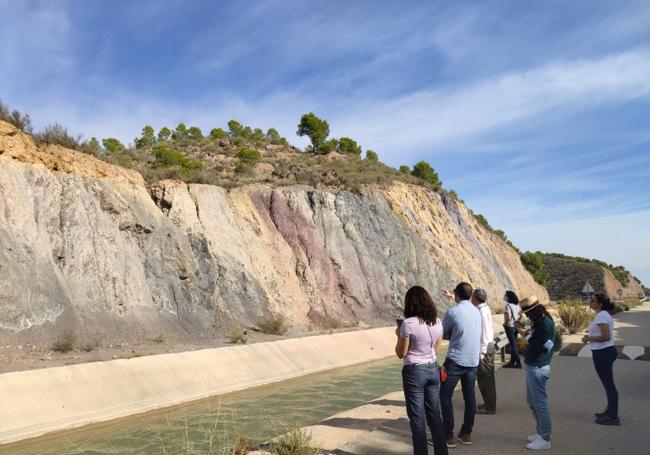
88 246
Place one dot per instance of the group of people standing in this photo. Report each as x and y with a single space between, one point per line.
429 387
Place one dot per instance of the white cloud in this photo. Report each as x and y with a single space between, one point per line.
439 118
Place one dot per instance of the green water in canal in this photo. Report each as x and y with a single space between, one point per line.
256 414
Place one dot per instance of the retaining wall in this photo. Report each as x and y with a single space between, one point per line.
36 402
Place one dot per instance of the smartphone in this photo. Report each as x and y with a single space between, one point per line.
399 322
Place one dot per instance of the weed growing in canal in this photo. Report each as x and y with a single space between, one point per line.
214 440
275 324
296 442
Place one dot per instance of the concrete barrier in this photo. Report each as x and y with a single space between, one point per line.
36 402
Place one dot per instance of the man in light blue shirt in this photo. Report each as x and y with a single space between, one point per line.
462 327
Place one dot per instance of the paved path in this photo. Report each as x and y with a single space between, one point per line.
381 427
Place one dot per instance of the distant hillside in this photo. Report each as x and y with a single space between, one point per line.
567 275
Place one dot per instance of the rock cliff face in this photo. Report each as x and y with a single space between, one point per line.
88 246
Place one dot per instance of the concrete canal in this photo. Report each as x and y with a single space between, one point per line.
256 414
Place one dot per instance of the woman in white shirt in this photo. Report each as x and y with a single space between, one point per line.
601 339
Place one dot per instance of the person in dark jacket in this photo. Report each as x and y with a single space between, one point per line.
537 359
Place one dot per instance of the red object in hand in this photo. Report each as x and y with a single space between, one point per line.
443 374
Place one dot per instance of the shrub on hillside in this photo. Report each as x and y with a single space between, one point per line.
113 145
372 156
218 133
424 171
195 133
404 169
534 263
22 122
273 136
164 134
147 138
275 324
248 156
57 134
575 316
167 156
91 147
180 133
349 146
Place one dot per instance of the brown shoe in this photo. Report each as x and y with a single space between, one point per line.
484 411
451 442
465 439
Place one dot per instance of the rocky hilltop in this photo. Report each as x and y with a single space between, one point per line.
567 277
90 247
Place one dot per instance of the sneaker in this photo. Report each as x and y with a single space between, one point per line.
532 437
539 444
451 442
600 415
518 366
465 439
608 421
484 411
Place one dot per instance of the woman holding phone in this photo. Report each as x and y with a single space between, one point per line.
419 337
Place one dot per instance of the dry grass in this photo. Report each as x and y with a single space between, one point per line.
238 335
66 342
296 442
274 324
91 344
160 338
575 316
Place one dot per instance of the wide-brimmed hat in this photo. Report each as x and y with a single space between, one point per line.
529 303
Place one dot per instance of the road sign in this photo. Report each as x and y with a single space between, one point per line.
588 289
619 291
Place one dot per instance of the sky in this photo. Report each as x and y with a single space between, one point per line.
533 112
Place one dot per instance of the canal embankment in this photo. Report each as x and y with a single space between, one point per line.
36 402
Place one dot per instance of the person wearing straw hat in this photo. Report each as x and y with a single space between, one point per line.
538 368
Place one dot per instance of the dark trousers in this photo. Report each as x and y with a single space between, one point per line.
485 380
511 333
422 394
604 364
467 378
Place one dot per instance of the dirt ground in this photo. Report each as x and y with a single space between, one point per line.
28 356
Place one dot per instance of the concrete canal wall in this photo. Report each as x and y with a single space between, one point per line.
33 403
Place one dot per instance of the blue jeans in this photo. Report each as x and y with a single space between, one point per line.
511 333
537 400
421 391
604 364
467 377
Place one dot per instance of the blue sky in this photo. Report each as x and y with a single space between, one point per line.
536 113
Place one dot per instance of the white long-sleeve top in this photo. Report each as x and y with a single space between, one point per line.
487 335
